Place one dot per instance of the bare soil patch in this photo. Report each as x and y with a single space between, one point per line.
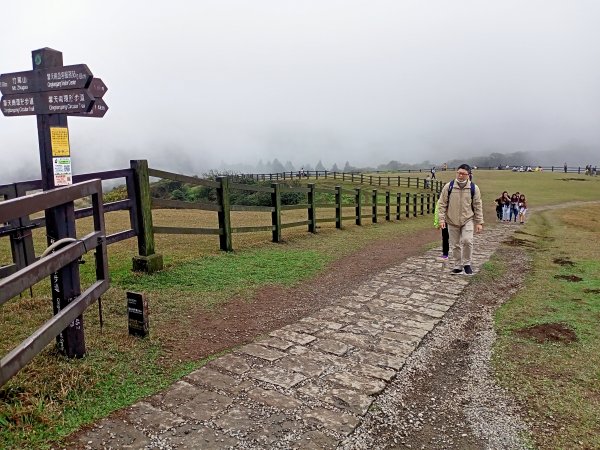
570 278
240 320
563 262
548 332
516 242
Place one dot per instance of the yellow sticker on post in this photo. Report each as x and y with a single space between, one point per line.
59 139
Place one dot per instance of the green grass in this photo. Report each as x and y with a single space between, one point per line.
229 270
558 383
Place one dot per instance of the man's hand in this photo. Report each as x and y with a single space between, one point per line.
479 228
442 224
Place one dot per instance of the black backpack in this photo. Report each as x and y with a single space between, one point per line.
451 186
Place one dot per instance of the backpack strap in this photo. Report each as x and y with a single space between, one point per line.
451 186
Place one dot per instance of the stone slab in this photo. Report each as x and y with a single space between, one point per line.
179 393
273 398
204 406
216 380
231 363
365 385
148 416
258 351
302 364
298 338
277 343
330 346
339 422
277 376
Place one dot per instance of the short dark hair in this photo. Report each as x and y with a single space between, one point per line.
465 167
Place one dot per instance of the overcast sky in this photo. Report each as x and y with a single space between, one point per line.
195 84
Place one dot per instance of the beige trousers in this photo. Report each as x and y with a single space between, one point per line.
461 243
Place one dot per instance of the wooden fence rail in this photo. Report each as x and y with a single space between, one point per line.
70 252
375 199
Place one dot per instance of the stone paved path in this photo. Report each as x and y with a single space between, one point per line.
306 385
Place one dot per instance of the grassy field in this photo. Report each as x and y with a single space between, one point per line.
52 396
548 352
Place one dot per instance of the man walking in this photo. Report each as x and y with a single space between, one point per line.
461 210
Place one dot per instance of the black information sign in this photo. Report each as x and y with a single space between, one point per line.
137 313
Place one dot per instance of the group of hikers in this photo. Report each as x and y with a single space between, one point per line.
511 207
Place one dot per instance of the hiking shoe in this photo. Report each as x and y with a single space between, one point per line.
468 270
456 271
444 257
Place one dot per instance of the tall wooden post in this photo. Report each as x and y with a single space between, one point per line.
147 260
60 221
358 206
224 214
374 206
276 213
312 209
407 206
338 207
414 205
387 205
398 201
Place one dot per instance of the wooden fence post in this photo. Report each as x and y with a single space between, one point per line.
21 241
389 181
374 206
357 199
276 213
428 203
223 200
387 205
414 205
312 209
407 206
408 182
398 180
398 202
370 180
147 261
422 203
361 178
338 207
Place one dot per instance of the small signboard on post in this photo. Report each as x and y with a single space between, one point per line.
137 314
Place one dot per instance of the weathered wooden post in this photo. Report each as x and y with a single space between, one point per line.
407 206
224 215
276 213
21 240
51 91
414 205
387 205
357 200
148 260
374 206
428 203
398 201
422 203
312 209
408 182
338 207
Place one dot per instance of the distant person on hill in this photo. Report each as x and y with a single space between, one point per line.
461 211
427 182
433 173
522 208
565 167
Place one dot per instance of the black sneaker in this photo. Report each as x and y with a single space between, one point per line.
456 271
468 270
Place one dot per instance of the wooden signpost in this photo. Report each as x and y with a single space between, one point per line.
52 91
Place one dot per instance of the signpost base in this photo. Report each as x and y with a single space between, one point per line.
149 264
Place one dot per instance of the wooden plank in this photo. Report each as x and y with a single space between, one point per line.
163 203
295 224
348 217
182 178
251 188
327 219
120 236
325 205
252 229
184 230
252 208
290 207
302 190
